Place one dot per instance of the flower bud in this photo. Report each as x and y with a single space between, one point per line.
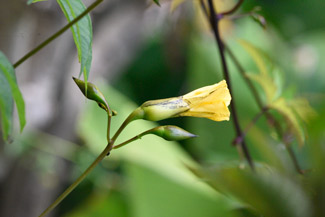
206 102
156 110
172 133
92 93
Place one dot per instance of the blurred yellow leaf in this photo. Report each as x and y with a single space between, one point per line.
268 85
303 109
259 57
175 4
284 108
293 110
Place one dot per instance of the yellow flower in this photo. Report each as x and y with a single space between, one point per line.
207 102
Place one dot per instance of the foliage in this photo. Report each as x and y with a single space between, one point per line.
82 33
154 177
10 93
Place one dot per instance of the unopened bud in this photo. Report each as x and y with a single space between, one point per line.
156 110
172 133
92 93
206 102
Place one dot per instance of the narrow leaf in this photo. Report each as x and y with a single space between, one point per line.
268 85
267 192
303 109
82 33
34 1
9 93
6 106
284 109
157 2
259 57
259 19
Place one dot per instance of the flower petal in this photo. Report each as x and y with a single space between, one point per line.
209 102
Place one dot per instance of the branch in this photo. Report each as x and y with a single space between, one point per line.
240 138
57 34
234 9
215 27
77 182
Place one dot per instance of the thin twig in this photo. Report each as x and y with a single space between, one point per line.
234 9
294 159
139 136
240 138
215 27
77 182
57 34
109 117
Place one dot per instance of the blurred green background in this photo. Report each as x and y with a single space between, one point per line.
155 178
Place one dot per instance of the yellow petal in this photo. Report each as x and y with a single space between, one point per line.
209 102
214 111
203 91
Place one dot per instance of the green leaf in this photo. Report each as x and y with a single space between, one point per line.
82 33
259 57
267 83
302 109
267 192
6 106
284 108
9 92
269 76
34 1
259 19
157 2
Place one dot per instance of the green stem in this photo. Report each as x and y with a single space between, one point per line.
77 182
109 117
128 141
240 138
57 34
136 114
134 138
294 159
234 9
133 116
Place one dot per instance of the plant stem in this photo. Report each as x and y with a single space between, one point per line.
128 141
133 116
240 138
136 114
109 118
294 159
269 116
234 9
133 138
77 182
214 21
57 34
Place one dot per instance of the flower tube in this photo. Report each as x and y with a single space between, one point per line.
207 102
